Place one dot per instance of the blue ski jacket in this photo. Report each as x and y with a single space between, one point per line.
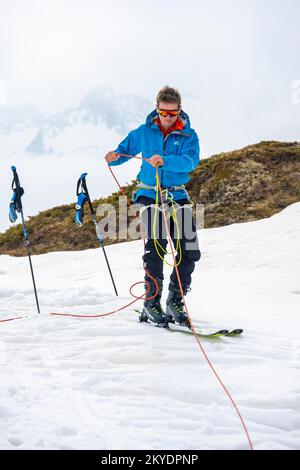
179 150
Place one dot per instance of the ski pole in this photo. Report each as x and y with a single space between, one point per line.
84 196
14 208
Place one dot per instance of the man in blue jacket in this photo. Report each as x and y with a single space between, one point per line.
168 142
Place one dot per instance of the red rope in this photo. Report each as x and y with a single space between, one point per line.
11 319
144 296
193 328
182 295
185 306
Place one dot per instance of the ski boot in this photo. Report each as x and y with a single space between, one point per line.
152 308
174 309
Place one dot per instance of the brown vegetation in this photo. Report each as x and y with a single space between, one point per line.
243 185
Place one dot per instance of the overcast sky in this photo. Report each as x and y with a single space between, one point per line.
236 62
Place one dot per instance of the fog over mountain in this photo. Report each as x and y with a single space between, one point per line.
52 150
100 110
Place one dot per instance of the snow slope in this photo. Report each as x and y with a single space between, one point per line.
112 383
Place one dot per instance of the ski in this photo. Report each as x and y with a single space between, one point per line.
199 331
171 326
205 333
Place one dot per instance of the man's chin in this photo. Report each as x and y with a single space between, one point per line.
167 126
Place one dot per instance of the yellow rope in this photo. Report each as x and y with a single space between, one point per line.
157 245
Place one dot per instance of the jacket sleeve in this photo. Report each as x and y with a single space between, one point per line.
188 160
131 145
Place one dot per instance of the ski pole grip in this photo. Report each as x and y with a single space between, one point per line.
16 177
81 182
86 192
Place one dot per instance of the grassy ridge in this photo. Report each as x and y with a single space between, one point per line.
243 185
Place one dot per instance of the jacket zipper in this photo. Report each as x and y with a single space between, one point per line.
164 151
164 148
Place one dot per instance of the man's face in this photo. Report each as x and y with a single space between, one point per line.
168 120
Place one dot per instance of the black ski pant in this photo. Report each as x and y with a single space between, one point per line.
188 240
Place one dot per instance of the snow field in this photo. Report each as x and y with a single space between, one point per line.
112 383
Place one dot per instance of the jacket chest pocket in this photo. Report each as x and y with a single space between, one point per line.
172 145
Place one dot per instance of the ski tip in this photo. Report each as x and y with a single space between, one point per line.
235 332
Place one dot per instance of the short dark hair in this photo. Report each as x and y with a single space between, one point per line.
168 95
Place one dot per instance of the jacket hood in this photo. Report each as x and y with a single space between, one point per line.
150 121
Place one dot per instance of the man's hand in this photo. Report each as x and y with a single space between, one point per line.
111 157
156 160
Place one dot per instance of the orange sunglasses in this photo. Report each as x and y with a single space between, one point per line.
165 113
